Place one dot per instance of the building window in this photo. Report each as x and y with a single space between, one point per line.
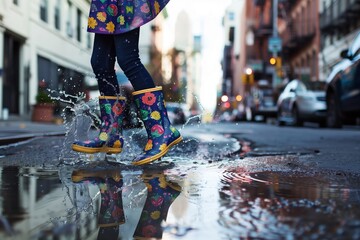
44 10
232 34
231 16
57 15
88 41
78 25
69 29
16 2
314 66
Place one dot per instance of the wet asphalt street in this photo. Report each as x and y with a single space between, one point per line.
225 181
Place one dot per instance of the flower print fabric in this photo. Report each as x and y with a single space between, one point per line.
119 16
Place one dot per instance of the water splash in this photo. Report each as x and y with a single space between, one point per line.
6 225
78 117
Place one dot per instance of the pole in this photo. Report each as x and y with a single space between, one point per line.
2 30
275 34
275 15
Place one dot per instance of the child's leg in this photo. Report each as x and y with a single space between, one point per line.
103 63
148 99
127 52
112 106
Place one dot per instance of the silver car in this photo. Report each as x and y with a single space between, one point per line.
299 102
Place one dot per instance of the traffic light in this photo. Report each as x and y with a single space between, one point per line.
224 98
279 66
248 77
277 63
273 60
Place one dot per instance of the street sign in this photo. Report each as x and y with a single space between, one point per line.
275 44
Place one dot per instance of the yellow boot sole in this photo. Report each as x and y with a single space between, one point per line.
89 150
159 155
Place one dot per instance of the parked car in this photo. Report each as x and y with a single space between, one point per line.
343 88
177 113
299 102
262 103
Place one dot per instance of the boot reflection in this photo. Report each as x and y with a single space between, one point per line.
111 213
161 194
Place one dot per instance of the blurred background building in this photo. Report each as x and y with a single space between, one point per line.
270 42
266 43
339 24
43 44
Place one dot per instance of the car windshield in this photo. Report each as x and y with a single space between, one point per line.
267 92
315 85
356 45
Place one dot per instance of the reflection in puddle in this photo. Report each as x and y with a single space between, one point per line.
158 192
276 205
215 201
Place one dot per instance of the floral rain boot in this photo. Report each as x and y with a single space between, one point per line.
111 209
161 134
161 194
109 139
111 213
95 171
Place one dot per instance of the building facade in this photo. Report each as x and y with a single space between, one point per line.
234 22
300 33
297 25
42 43
339 24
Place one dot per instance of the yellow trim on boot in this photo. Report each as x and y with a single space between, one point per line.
147 90
111 224
90 150
81 175
112 97
159 155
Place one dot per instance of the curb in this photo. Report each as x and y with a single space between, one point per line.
24 137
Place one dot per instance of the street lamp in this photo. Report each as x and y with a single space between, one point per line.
224 98
272 60
239 98
248 71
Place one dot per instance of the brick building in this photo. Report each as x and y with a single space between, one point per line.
300 33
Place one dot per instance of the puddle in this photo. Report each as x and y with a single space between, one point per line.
177 200
282 205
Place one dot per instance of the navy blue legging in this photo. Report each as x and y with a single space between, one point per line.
125 48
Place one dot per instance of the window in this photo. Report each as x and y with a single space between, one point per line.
355 48
16 2
300 87
44 10
232 34
231 16
78 25
88 41
69 29
57 15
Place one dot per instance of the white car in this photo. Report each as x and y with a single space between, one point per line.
297 103
176 113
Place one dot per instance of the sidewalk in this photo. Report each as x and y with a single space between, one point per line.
16 131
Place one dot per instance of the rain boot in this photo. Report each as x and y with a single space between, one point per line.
111 213
110 136
161 134
96 170
160 195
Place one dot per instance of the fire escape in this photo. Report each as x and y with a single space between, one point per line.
338 14
300 31
262 32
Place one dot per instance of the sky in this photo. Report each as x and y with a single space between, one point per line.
206 18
